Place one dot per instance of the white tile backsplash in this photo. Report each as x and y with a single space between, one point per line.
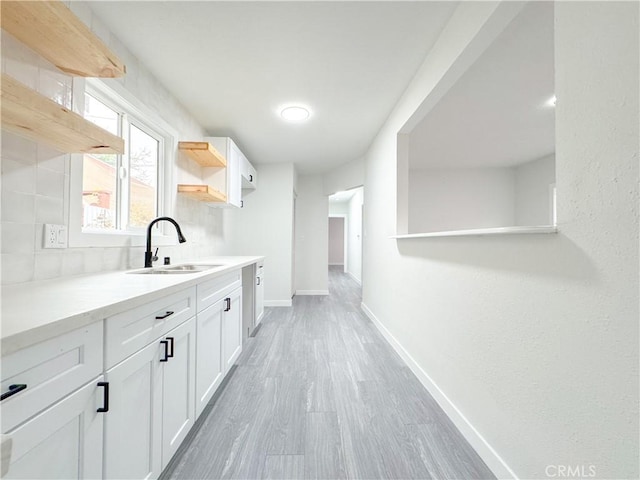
49 183
47 265
72 262
49 210
17 267
17 207
18 177
18 237
18 148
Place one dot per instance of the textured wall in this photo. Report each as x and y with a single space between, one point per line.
533 338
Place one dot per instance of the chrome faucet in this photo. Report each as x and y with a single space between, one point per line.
148 255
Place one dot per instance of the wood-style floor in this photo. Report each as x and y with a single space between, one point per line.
318 393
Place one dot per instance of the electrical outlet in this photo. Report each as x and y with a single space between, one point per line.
55 236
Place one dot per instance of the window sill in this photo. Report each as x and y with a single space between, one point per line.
483 231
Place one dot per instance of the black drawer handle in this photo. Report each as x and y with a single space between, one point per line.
228 302
166 350
251 178
105 397
13 389
258 280
168 314
169 355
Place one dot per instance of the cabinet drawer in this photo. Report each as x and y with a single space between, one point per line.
213 290
130 331
51 370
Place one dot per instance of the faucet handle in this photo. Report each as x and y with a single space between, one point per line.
155 256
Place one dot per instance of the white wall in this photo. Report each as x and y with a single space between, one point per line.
336 240
265 227
338 208
532 189
354 236
35 178
444 199
533 339
312 209
345 177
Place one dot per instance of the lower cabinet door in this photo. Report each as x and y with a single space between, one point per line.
133 424
178 388
209 368
259 298
63 442
232 329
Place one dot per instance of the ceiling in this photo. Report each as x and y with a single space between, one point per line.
342 197
497 114
233 64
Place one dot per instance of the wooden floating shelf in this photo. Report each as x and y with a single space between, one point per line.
53 31
204 153
30 114
203 193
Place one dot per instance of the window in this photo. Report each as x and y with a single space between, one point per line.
120 192
112 198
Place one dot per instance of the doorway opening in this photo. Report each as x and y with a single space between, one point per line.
345 232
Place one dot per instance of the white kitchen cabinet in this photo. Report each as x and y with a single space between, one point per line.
62 442
48 371
178 388
209 367
232 328
249 175
134 422
152 405
227 180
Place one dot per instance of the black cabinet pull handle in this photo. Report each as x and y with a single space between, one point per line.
258 280
105 397
228 302
13 389
241 203
166 350
162 317
251 178
171 339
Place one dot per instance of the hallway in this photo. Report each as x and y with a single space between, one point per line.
318 393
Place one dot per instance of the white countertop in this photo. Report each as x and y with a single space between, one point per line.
36 311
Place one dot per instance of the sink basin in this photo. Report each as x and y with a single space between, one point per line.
177 269
189 267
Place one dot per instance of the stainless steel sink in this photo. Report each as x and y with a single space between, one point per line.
177 269
191 267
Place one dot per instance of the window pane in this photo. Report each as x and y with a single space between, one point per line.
97 112
99 192
143 177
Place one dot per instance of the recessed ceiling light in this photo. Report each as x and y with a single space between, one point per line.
295 114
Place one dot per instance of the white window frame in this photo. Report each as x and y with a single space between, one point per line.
115 94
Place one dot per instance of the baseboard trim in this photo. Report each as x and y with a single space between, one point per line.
277 303
312 292
497 465
357 280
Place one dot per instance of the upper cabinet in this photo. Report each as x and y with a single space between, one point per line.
53 31
248 175
239 174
